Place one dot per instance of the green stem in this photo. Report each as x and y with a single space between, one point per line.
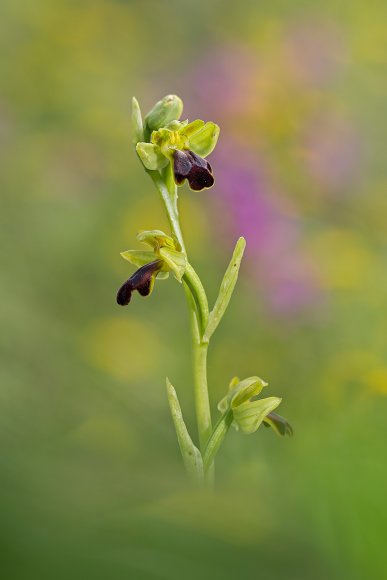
198 308
202 403
201 304
170 206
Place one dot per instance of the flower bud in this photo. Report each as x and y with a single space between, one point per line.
168 109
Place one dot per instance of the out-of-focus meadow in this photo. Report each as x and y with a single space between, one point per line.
91 480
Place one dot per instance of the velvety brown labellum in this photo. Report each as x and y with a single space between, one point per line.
142 281
188 165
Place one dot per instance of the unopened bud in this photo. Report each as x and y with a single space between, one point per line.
168 109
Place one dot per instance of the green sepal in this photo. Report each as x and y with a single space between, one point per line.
156 239
279 424
226 289
137 126
151 156
137 257
176 261
191 455
240 392
204 141
249 415
191 128
168 109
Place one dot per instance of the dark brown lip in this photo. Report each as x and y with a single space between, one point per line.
188 165
141 281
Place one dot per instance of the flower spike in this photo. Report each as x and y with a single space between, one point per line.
174 151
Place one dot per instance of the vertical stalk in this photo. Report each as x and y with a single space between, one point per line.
168 192
202 402
170 206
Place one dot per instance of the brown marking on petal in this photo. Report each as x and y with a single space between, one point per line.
182 165
145 288
188 165
141 280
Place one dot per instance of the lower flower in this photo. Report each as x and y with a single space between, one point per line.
165 257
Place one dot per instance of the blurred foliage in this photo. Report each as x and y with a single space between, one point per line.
91 479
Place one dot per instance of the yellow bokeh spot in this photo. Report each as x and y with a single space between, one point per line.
357 370
376 380
342 259
124 348
147 213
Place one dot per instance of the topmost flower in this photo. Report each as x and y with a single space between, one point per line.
184 145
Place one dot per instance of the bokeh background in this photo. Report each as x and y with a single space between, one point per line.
91 480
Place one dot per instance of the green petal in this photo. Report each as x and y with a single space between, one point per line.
233 383
151 156
156 239
249 416
246 390
137 257
168 141
175 260
161 136
203 142
162 275
191 128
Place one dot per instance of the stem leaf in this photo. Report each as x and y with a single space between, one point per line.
226 289
191 455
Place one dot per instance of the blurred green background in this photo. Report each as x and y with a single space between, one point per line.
90 475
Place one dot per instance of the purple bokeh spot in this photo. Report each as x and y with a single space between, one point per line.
277 262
